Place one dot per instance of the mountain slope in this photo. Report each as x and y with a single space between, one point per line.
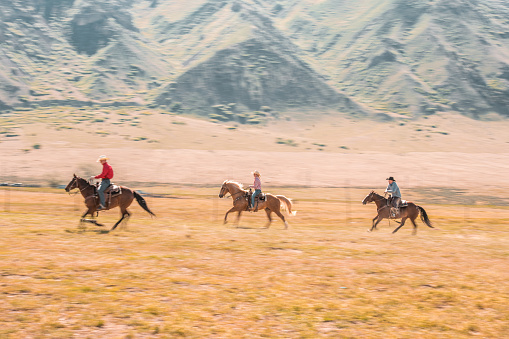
404 58
411 56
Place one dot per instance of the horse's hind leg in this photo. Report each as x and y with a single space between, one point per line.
402 223
124 214
238 218
414 232
269 212
127 215
278 213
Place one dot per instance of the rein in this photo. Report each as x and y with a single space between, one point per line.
241 191
80 190
381 208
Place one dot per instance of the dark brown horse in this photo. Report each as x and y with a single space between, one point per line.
271 204
411 211
122 200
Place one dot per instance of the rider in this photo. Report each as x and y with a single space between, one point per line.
106 175
395 199
257 185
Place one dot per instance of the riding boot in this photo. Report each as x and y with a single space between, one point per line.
101 208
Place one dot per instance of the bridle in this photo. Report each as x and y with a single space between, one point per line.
232 195
375 200
80 190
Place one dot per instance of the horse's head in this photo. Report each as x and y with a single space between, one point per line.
72 184
224 190
369 198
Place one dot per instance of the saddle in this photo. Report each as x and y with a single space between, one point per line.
110 192
258 198
396 211
113 190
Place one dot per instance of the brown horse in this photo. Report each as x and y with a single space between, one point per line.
123 200
411 211
271 204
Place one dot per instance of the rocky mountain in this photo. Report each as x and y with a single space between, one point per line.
400 58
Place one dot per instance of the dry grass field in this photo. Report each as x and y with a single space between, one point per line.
185 274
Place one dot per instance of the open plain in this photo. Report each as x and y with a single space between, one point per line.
185 274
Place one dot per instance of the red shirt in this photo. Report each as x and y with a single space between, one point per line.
107 172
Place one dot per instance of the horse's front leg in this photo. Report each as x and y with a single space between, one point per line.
375 223
226 215
92 221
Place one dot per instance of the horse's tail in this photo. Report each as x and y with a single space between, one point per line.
424 216
288 204
142 202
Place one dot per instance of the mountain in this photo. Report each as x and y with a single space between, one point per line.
223 58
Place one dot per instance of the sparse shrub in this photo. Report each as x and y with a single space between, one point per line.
288 142
177 107
53 183
36 146
236 7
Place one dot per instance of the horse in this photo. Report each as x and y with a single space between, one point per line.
411 211
271 204
122 200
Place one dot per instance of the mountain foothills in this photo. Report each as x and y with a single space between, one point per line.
225 59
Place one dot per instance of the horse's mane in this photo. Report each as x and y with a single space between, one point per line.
83 180
234 183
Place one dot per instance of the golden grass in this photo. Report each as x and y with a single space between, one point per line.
185 274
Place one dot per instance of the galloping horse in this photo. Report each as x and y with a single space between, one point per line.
271 204
123 200
411 211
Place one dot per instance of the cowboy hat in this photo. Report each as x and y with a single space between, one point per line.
102 157
256 172
391 178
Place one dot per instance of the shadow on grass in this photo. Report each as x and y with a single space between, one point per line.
86 230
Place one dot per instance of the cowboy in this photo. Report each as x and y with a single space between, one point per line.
106 175
395 198
257 185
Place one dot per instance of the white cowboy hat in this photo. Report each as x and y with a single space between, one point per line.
256 172
102 157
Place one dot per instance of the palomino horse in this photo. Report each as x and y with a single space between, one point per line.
123 200
271 204
411 211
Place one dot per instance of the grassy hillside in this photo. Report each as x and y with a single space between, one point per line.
401 58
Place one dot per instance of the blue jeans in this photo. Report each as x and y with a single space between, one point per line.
102 187
256 192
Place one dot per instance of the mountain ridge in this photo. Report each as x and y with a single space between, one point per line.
398 58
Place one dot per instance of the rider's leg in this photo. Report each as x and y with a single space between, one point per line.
395 205
255 194
104 184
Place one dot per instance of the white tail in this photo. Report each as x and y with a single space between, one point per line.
287 203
